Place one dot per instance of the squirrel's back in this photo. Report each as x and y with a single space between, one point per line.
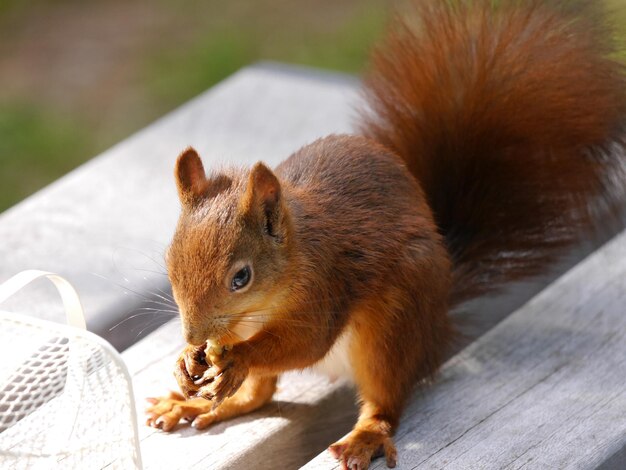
355 208
510 114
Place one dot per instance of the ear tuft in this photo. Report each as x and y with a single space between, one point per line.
190 177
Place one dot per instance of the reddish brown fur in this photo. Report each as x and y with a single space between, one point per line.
496 118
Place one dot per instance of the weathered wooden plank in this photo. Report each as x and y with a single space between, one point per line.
544 389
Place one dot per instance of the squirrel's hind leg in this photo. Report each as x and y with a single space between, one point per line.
398 339
380 394
166 412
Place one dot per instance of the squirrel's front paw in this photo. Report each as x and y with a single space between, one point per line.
165 412
226 374
190 369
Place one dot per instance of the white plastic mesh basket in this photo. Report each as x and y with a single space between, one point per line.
66 397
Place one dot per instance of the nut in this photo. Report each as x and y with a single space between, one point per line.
214 348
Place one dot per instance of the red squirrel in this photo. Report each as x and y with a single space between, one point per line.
485 147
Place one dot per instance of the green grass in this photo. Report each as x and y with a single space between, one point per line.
6 5
174 75
345 49
36 147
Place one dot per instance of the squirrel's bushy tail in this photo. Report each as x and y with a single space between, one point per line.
509 114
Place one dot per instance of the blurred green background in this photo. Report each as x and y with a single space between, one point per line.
78 76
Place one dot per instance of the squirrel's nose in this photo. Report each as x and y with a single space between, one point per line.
192 337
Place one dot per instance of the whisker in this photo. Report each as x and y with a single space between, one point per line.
154 313
261 313
241 338
299 324
164 304
161 273
136 250
157 310
150 325
321 311
169 301
166 294
139 294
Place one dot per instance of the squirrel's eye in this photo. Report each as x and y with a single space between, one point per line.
240 279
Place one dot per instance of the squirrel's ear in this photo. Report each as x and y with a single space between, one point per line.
191 180
263 197
263 187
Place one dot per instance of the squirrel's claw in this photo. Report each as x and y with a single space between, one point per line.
223 379
211 376
358 449
190 370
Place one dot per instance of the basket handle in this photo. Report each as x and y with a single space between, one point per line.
71 302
